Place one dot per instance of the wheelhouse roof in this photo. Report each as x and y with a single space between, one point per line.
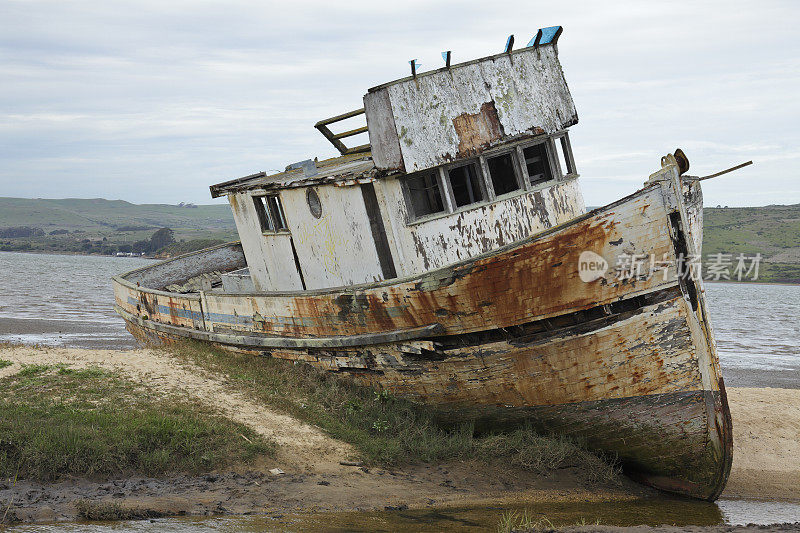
353 167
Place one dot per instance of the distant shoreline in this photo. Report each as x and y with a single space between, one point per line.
57 252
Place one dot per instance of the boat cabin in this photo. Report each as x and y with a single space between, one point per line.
461 161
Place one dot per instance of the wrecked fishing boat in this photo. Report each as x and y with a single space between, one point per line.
451 261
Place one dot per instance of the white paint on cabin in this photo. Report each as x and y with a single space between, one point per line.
336 249
444 239
269 254
413 122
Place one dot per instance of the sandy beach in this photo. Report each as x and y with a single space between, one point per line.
766 445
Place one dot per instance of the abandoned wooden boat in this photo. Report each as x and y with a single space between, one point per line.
451 261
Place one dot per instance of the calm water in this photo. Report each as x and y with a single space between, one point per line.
62 300
67 301
756 325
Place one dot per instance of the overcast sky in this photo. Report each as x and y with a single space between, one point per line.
153 101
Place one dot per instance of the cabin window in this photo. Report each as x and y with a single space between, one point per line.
270 213
564 154
424 194
502 174
537 163
466 184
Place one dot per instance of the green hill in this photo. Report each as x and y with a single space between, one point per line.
97 213
105 226
772 231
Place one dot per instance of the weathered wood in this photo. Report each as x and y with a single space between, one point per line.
334 139
520 336
460 111
224 257
382 131
264 341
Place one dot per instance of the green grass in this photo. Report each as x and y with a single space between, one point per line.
56 422
522 521
97 213
4 363
107 511
384 429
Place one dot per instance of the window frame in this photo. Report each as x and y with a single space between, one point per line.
444 195
485 180
270 213
445 176
566 149
489 184
552 162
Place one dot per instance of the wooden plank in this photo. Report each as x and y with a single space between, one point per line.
382 131
281 342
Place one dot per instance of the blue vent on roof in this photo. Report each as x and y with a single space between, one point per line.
546 36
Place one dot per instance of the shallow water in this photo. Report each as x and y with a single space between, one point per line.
62 300
670 511
757 326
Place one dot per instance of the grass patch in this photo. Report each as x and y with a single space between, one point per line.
4 363
522 521
88 372
57 422
29 371
107 511
386 430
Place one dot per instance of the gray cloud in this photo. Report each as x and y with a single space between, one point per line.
154 101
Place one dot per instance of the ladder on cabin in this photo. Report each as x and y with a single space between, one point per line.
335 138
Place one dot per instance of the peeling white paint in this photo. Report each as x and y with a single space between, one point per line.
527 90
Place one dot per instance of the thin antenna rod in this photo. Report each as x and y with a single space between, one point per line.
737 167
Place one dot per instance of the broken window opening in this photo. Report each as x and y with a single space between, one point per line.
466 184
425 194
537 163
270 213
564 155
276 212
502 174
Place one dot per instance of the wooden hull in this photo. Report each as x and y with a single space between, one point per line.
628 366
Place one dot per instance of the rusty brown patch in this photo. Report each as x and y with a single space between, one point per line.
477 131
